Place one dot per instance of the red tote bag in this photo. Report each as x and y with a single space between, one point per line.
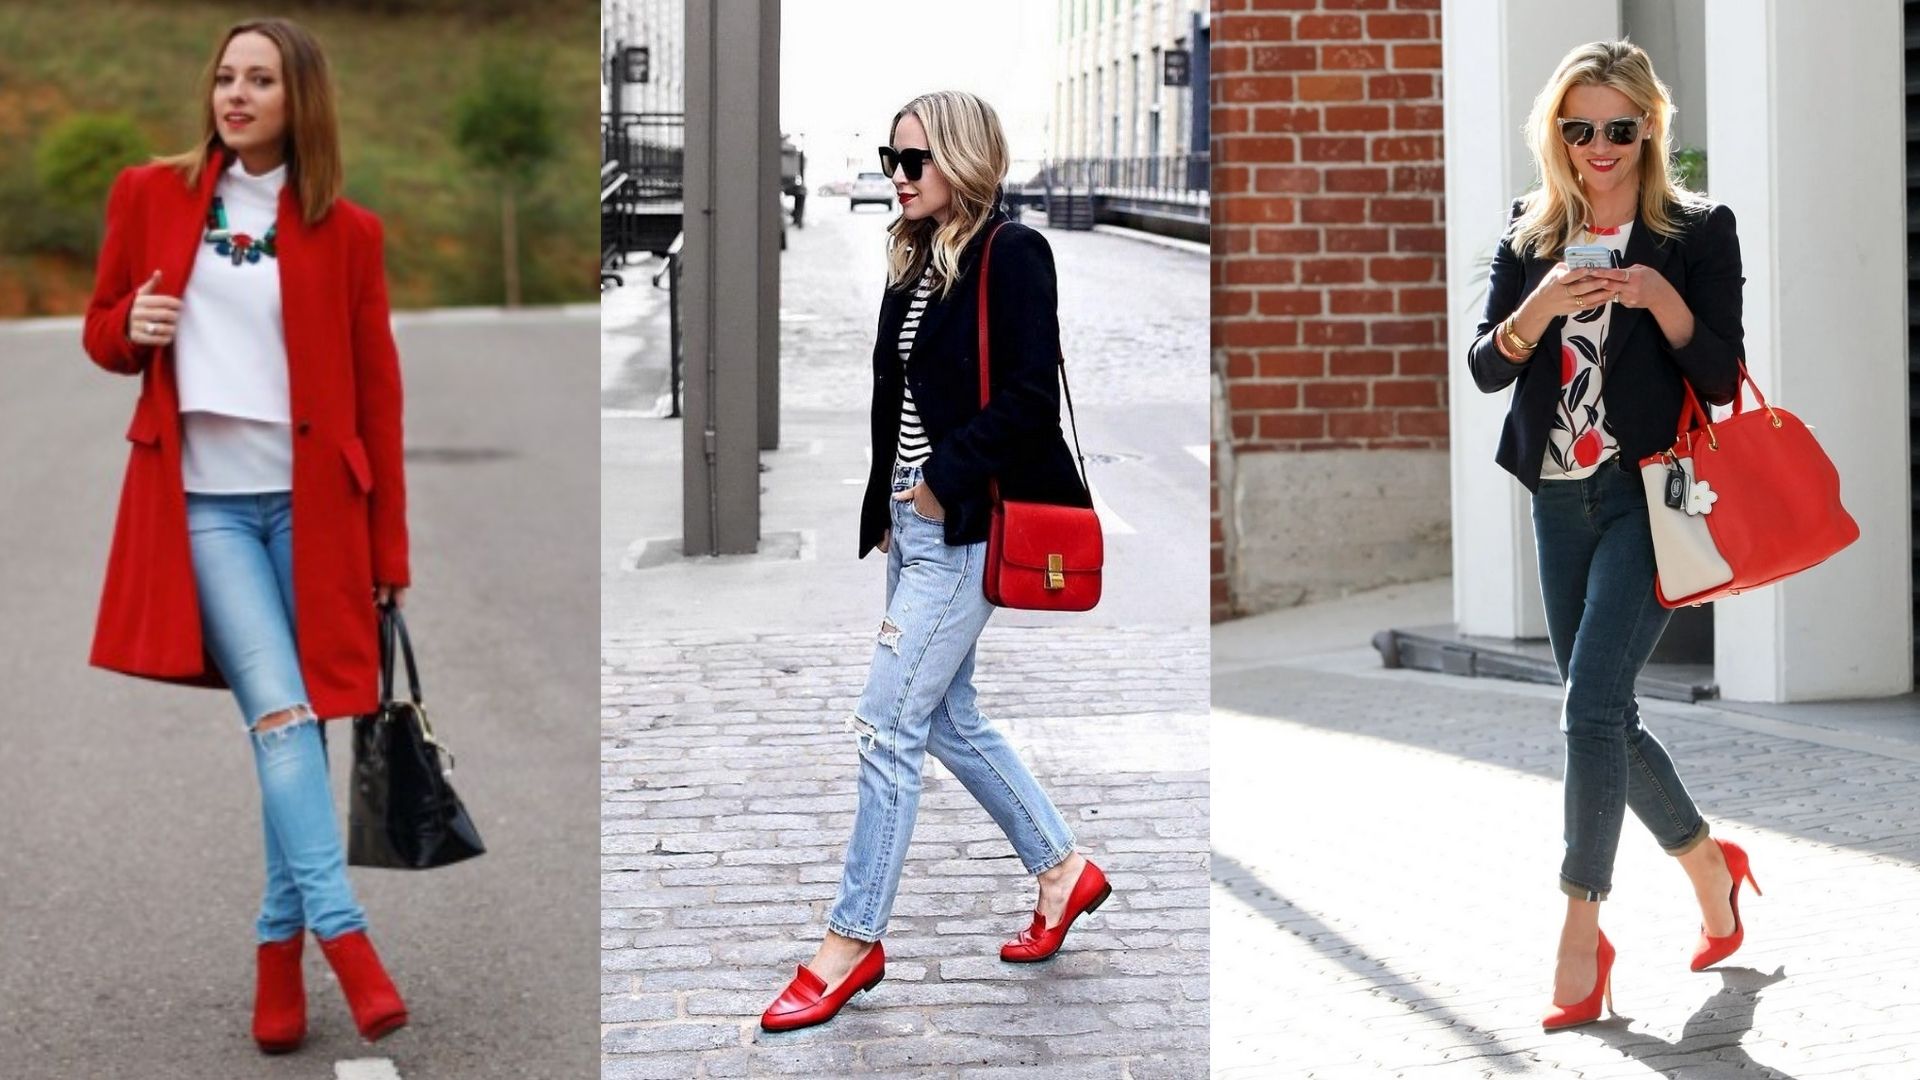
1742 503
1040 557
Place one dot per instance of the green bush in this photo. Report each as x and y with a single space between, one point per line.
78 158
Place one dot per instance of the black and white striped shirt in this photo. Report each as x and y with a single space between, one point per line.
913 447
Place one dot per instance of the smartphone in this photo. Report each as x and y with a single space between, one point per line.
1589 257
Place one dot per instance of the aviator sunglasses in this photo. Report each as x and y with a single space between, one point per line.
912 160
1620 131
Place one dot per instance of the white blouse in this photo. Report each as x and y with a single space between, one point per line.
230 353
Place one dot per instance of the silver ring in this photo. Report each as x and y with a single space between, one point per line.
147 329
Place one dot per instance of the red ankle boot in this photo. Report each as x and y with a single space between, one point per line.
279 998
1039 941
377 1008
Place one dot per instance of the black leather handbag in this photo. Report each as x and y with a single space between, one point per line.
403 813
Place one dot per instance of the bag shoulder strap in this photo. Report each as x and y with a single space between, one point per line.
1060 364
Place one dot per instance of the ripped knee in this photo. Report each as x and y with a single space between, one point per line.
890 634
296 714
865 735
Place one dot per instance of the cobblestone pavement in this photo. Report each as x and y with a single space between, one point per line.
1385 846
728 783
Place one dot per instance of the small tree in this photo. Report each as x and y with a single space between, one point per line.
505 127
78 158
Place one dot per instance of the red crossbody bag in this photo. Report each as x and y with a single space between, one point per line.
1040 557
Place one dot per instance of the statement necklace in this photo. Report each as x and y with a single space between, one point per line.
237 246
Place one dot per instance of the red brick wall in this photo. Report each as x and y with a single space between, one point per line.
1329 277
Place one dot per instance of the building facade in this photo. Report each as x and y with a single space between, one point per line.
1109 97
659 26
1330 310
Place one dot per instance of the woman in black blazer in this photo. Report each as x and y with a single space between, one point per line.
927 507
1597 359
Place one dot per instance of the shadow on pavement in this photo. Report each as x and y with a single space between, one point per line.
1835 796
1716 1027
1402 989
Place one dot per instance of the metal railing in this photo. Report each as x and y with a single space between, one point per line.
651 149
1182 178
676 355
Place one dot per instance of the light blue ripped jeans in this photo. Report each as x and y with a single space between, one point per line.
920 698
243 573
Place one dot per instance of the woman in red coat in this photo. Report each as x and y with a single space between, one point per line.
263 516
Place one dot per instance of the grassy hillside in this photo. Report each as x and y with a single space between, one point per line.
399 69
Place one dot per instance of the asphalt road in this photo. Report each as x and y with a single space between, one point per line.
1133 323
130 864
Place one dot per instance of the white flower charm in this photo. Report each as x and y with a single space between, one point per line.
1700 498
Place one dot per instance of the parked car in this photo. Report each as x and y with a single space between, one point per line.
870 187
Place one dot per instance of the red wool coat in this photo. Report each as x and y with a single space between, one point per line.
349 489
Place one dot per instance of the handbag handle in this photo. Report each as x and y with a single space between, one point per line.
1693 413
1060 364
393 626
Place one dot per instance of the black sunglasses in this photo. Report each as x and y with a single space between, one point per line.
1621 131
911 159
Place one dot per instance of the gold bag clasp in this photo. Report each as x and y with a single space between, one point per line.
1056 572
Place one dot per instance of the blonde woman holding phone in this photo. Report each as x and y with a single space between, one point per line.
1612 288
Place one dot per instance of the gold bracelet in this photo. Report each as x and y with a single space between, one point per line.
1513 337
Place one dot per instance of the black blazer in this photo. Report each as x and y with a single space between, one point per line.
1017 438
1642 389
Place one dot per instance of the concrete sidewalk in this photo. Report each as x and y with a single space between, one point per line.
1384 853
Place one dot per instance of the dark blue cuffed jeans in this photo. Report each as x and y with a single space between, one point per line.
1596 576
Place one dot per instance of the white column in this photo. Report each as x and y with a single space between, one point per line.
1805 142
1497 57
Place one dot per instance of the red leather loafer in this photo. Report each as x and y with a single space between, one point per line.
806 1002
1039 942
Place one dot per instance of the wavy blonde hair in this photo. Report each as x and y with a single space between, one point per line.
970 150
1554 214
313 134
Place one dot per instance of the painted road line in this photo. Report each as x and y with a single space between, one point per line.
365 1069
1111 524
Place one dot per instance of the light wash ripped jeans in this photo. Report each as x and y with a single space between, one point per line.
243 572
919 698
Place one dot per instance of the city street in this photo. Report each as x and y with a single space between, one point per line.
727 684
131 869
1385 848
1133 318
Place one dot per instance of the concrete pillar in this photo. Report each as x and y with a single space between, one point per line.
1497 55
1806 144
770 225
732 172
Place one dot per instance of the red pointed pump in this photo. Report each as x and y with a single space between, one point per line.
1039 941
279 998
806 1002
1587 1011
376 1005
1711 950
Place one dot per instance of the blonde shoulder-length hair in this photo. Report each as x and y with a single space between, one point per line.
313 134
970 150
1553 215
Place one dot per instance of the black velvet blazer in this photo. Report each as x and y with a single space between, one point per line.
1642 389
1017 438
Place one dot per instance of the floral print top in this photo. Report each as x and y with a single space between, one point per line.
1580 442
